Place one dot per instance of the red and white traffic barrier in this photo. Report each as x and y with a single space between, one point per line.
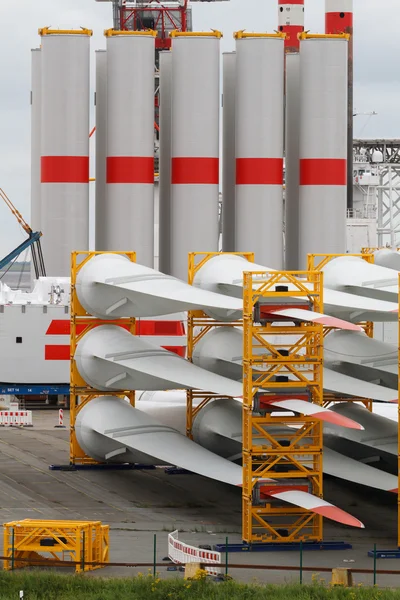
20 418
60 420
181 553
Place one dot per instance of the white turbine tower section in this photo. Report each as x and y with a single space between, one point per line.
292 156
119 432
111 286
220 351
224 274
259 146
130 143
101 150
164 230
110 358
228 151
64 147
323 146
195 147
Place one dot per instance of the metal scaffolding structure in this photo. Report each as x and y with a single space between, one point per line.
280 361
198 325
46 543
376 174
81 323
398 441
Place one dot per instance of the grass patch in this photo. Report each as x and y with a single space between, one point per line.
47 586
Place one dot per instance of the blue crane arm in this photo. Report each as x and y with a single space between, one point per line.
34 237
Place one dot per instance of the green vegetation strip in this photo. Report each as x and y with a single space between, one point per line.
47 586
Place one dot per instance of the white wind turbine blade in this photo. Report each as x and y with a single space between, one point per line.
357 276
359 354
110 286
379 432
387 258
110 429
110 358
218 427
224 274
220 351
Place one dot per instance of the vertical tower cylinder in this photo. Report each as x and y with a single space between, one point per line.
164 227
323 145
291 22
195 147
339 19
65 59
101 148
259 146
292 149
130 143
36 116
228 151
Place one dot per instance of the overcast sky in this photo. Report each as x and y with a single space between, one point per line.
377 83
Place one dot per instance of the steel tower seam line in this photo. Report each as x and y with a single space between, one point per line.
291 22
129 210
194 146
259 145
65 87
101 148
164 221
228 151
323 144
292 149
339 19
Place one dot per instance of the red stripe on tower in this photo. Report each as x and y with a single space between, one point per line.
64 169
130 169
323 171
291 22
195 171
259 171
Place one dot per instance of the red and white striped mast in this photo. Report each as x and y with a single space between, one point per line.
339 19
291 22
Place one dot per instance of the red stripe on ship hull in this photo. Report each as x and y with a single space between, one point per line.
54 352
323 171
144 328
64 169
259 171
130 169
195 171
289 2
335 23
155 328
